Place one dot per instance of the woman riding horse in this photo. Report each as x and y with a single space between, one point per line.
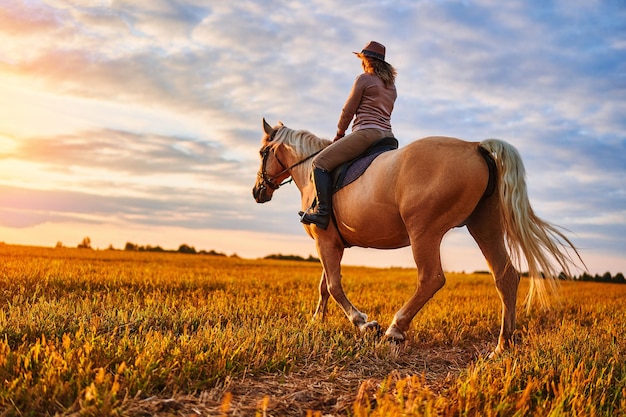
370 103
419 192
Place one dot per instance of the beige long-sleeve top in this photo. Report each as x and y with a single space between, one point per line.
370 103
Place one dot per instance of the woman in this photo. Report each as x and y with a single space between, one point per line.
370 103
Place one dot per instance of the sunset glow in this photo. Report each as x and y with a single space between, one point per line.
140 121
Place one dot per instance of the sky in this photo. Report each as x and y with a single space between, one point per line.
140 121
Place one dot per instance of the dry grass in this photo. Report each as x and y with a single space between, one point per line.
141 334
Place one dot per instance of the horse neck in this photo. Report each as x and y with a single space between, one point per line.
302 175
300 145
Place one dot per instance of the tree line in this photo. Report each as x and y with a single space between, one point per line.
184 248
133 247
282 257
606 277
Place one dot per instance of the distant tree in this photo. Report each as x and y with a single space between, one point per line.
59 244
212 252
280 256
148 248
130 246
154 249
619 278
85 244
184 248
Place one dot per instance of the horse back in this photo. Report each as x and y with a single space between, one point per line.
429 185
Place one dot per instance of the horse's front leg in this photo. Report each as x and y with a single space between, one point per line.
322 304
330 255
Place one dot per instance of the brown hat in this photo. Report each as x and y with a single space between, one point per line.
373 49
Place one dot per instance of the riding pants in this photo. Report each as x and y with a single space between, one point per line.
348 147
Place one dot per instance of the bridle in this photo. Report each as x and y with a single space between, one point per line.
266 180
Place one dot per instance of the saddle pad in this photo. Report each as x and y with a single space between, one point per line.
357 169
352 170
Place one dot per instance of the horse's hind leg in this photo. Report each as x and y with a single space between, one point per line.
486 228
430 278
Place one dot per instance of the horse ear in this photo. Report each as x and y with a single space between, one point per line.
267 128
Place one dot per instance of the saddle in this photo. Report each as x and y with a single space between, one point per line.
350 171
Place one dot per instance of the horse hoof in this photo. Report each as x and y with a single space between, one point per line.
370 326
394 335
496 352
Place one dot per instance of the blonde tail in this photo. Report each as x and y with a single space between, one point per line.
527 236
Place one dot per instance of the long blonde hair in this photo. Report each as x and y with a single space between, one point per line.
384 70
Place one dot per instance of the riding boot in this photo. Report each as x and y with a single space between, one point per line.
323 189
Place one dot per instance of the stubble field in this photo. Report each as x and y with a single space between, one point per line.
98 333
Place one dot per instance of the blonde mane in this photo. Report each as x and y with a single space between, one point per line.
302 142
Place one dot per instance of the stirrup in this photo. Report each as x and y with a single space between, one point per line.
322 222
311 208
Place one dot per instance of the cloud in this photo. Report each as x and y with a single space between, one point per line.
128 153
162 206
158 104
160 19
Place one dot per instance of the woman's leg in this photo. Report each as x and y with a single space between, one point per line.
330 158
347 148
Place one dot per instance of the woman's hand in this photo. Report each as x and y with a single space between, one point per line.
339 136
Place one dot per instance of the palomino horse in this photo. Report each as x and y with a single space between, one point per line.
413 196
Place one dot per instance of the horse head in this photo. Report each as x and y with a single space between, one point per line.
272 171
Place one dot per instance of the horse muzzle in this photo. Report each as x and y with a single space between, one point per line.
261 194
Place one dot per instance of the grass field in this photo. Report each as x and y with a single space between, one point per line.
98 333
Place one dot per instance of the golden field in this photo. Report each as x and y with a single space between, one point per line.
99 333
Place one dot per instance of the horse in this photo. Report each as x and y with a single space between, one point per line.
413 196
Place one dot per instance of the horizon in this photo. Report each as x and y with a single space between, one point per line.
141 121
185 249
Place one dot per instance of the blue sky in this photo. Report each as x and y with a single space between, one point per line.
140 120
